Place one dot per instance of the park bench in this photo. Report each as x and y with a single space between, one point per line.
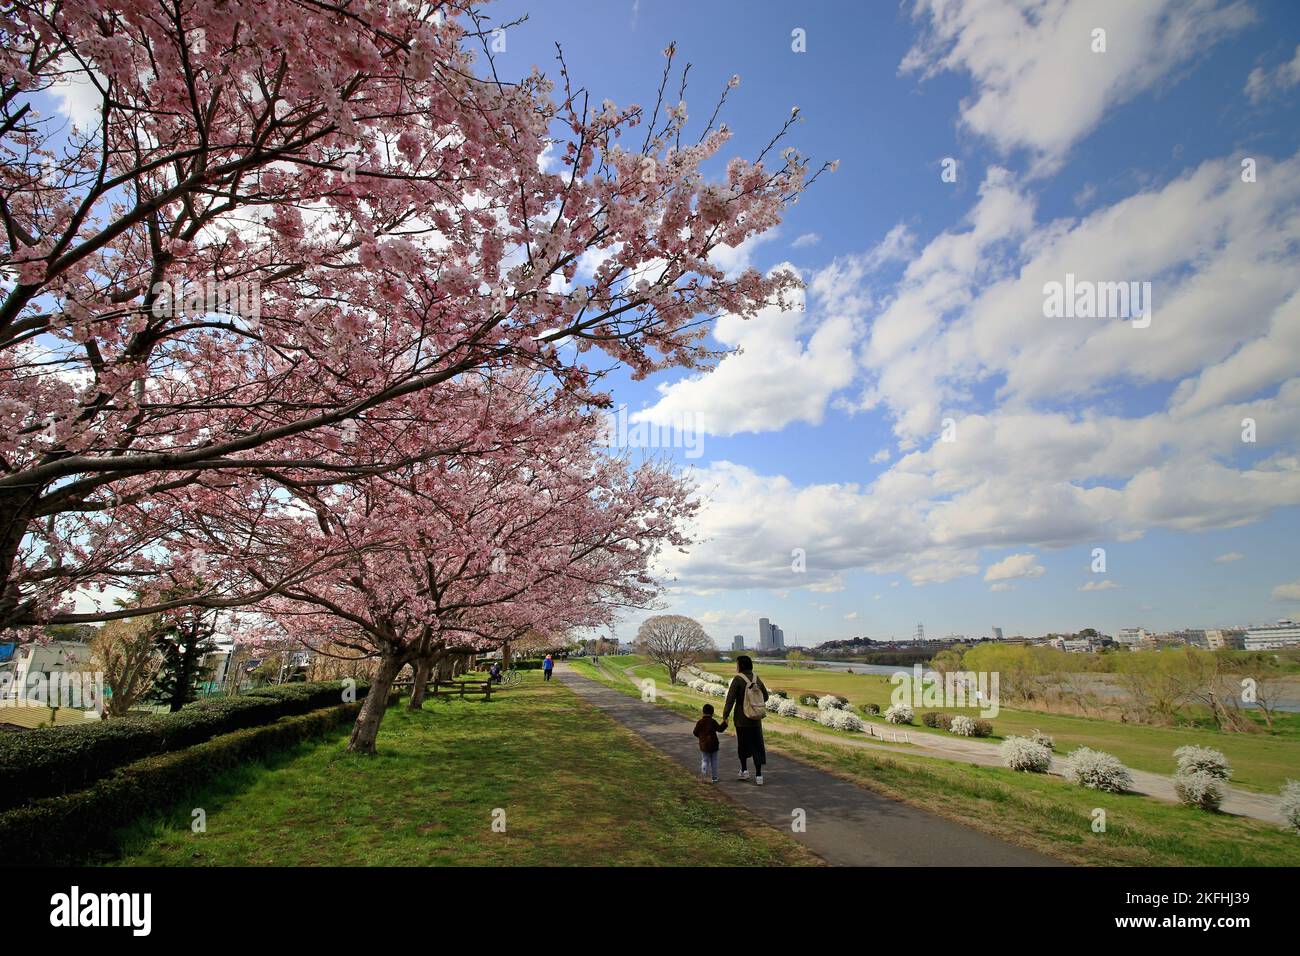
462 688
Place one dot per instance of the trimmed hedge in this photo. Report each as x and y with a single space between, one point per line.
57 760
69 829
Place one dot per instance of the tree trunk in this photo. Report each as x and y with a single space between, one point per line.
17 507
366 728
422 668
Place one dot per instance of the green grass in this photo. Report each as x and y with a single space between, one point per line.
1260 762
576 788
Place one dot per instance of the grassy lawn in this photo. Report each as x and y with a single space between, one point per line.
1041 812
1260 762
577 789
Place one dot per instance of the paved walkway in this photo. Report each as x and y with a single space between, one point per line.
847 825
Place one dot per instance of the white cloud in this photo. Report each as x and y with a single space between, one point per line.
733 260
1015 566
1038 85
1287 592
1263 83
785 369
78 99
1229 557
1106 585
807 240
851 616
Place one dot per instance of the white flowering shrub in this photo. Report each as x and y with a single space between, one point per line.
787 708
774 704
829 702
1042 739
1026 754
1097 771
1199 789
704 687
1205 760
707 676
1290 804
899 714
840 719
963 726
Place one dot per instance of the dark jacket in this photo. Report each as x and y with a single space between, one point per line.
706 729
736 699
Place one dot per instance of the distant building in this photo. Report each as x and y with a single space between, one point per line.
770 636
1272 637
997 633
738 642
1190 636
1219 639
52 657
1071 645
1131 636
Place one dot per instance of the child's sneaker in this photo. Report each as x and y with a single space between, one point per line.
759 780
743 775
714 780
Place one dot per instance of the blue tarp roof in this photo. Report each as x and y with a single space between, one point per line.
6 651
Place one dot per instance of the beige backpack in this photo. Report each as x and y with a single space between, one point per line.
755 705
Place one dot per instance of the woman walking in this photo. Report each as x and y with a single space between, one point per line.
748 697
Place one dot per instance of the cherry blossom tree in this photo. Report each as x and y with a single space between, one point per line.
460 554
291 223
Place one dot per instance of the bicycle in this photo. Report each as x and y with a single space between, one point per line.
512 677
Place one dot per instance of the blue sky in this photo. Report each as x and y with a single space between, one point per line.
924 305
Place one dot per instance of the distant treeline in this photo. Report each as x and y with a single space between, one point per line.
902 658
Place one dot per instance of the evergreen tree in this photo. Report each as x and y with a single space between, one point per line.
183 644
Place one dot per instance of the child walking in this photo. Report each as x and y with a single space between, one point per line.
706 730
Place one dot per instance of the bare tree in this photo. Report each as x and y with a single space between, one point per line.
673 641
127 652
1258 677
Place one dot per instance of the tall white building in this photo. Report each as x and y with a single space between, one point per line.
770 636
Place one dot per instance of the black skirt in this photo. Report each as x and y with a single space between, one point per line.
749 743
